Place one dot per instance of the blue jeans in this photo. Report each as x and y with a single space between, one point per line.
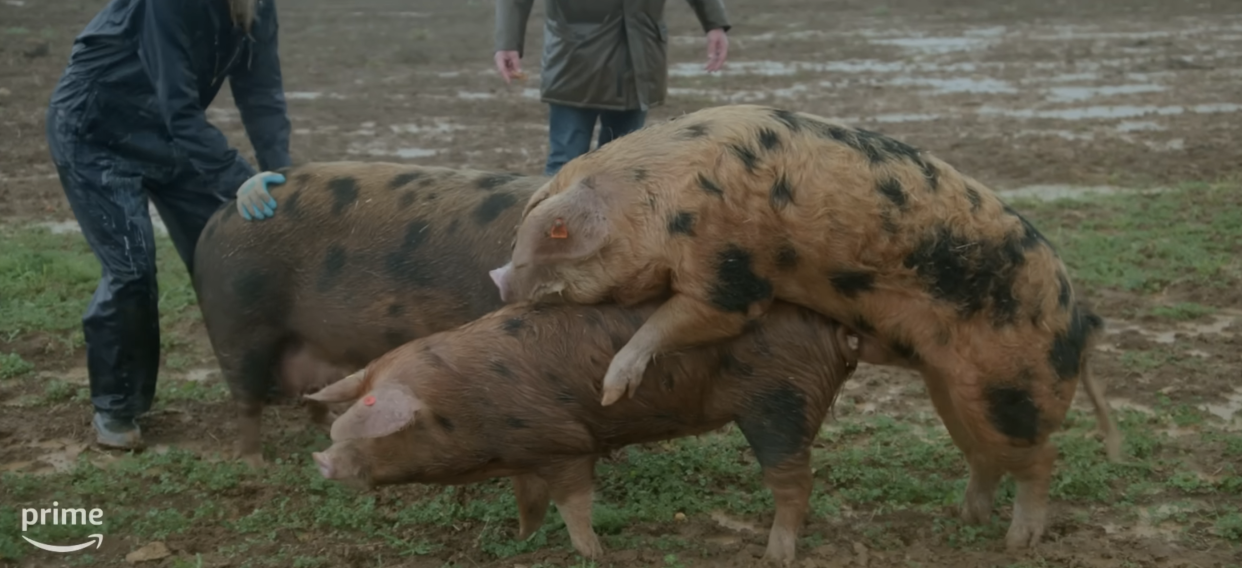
570 128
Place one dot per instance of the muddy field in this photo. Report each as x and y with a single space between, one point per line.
1038 98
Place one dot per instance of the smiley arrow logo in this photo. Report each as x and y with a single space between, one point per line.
96 539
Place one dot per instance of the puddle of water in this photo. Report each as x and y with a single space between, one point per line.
1101 112
440 127
1216 327
1070 77
1137 126
468 95
1064 94
935 44
731 523
1052 192
1228 410
202 375
1127 404
1066 134
18 3
311 95
957 85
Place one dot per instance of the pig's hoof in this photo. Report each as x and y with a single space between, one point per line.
624 374
1023 535
976 510
591 549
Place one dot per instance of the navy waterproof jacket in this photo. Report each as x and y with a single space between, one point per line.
147 70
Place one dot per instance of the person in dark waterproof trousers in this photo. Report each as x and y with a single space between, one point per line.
127 123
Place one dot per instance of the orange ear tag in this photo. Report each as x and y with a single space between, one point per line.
369 400
558 229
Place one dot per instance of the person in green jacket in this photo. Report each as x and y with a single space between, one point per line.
604 60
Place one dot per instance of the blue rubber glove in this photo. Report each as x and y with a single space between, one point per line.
253 200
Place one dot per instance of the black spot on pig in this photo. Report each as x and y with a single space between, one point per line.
395 310
965 271
640 174
333 264
695 131
746 155
861 324
852 282
493 181
891 189
289 206
513 325
430 197
493 206
1012 411
1063 290
210 231
786 257
976 200
1031 237
401 264
730 364
401 179
251 289
255 373
791 121
501 369
682 223
737 286
515 422
904 350
344 193
453 226
396 338
407 199
768 139
445 423
427 182
710 186
1065 356
781 193
774 424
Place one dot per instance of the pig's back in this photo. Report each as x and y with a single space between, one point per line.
538 374
361 257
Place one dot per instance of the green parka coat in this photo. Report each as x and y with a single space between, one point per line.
606 54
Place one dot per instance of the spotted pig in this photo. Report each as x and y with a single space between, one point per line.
516 394
359 258
720 212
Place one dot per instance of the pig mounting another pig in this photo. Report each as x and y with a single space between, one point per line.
359 258
726 210
516 394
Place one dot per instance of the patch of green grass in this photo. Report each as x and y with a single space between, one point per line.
47 281
12 365
1182 311
1146 243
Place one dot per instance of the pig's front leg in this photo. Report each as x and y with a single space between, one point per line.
790 483
532 501
681 322
571 483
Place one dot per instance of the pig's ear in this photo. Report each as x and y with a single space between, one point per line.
571 225
381 412
348 388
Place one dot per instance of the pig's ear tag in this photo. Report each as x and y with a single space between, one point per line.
369 400
559 231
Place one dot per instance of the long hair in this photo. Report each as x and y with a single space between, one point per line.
243 12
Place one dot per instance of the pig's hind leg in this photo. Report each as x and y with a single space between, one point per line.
681 322
249 368
571 483
533 497
776 428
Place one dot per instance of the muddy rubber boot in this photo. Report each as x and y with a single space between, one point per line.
117 433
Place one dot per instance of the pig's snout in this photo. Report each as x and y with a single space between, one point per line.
501 277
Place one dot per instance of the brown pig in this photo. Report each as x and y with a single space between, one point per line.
726 210
516 394
359 258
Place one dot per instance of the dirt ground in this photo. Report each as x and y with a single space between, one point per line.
1033 96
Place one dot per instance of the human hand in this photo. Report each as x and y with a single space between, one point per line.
509 64
717 49
253 194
